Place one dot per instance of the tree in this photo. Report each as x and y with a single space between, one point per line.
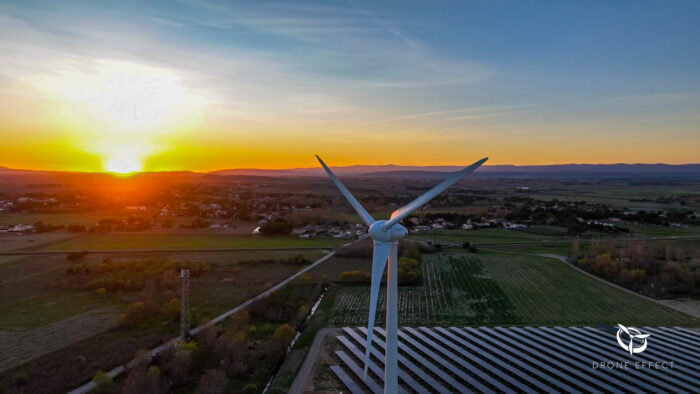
277 228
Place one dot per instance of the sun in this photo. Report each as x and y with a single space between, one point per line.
123 112
123 164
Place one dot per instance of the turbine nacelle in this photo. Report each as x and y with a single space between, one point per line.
394 233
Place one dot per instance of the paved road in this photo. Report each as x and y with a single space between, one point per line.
306 370
170 344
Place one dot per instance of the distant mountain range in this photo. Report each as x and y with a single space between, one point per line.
490 171
691 171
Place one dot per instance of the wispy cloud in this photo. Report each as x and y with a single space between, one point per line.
466 113
351 71
387 26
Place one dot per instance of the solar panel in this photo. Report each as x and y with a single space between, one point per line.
528 359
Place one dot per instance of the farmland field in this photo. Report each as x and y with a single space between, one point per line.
11 242
659 231
456 290
188 241
35 304
495 289
549 292
492 235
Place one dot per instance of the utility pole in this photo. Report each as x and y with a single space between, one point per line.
185 305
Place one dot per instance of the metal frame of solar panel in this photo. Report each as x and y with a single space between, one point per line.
521 359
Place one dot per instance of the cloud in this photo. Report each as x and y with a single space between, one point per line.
466 113
337 66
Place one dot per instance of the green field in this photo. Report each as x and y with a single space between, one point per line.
12 242
32 291
60 218
549 292
662 231
189 241
455 290
496 289
486 236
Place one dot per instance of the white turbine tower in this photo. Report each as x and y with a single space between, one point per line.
386 235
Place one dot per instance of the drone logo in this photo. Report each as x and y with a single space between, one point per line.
632 333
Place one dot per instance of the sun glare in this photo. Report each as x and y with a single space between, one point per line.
121 111
123 165
123 160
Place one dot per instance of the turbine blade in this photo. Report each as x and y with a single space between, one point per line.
430 194
379 259
348 196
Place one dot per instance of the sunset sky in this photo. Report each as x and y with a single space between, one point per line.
187 85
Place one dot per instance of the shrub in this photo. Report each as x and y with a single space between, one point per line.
409 272
212 382
134 314
102 380
466 245
355 276
142 380
251 388
284 334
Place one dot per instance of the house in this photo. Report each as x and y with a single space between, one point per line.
21 228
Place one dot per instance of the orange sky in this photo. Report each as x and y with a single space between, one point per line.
153 91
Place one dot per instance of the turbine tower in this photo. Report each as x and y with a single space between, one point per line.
385 235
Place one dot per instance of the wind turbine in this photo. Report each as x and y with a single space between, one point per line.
385 235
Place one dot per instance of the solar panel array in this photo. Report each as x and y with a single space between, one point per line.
524 360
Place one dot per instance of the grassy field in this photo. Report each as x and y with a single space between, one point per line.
488 236
84 218
562 248
661 231
496 289
11 242
549 292
189 241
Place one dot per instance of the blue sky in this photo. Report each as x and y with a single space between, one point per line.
495 76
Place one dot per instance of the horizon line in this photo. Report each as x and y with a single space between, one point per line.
345 166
